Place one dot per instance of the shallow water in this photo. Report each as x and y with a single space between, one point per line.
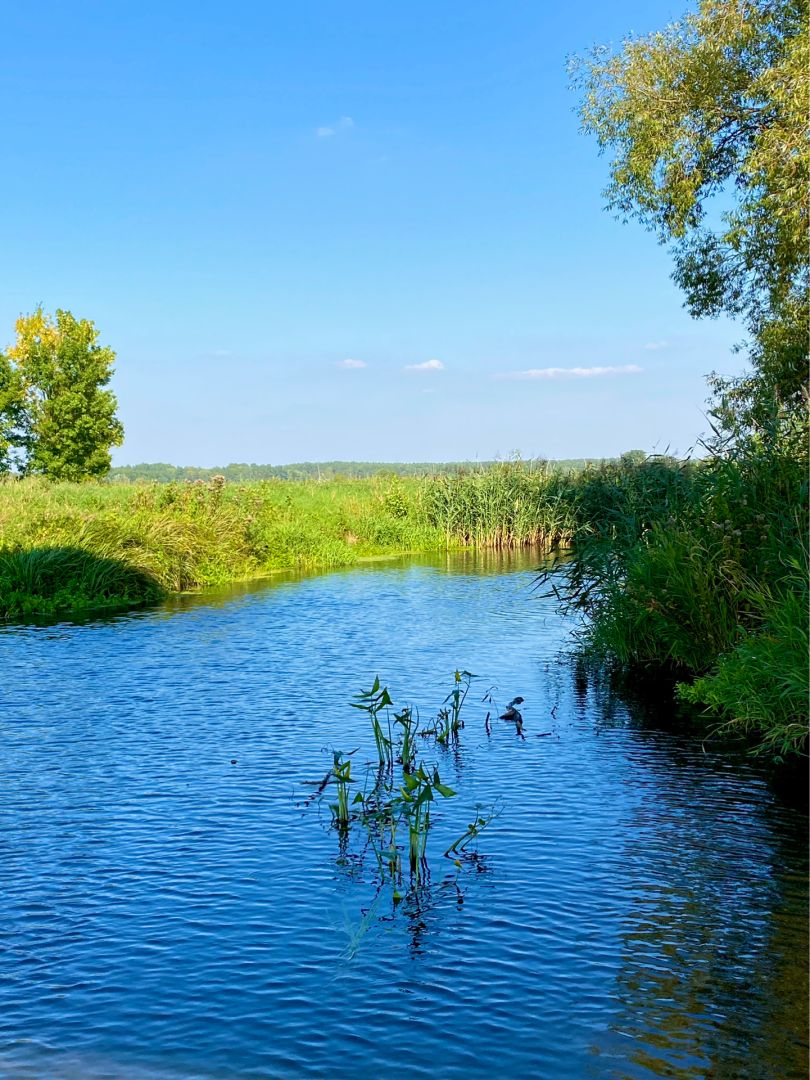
171 908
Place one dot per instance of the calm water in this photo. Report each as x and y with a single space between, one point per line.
171 909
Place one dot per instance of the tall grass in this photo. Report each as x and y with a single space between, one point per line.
759 687
507 505
175 537
692 568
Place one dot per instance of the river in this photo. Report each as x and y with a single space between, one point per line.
176 905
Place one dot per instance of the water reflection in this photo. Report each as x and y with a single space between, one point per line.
169 908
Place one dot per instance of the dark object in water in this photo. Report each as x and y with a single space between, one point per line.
513 713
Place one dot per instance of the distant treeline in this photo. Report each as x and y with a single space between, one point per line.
160 472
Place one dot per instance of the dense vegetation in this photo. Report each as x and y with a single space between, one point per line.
181 536
241 473
706 123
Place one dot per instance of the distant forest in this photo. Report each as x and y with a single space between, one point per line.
160 472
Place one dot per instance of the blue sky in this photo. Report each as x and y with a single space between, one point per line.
243 197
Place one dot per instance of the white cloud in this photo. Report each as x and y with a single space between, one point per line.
349 363
653 346
572 372
429 365
345 123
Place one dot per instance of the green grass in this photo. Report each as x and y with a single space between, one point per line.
759 687
694 570
143 541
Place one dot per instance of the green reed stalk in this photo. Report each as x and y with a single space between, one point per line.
342 776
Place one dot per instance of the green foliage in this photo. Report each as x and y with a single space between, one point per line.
760 686
376 701
706 123
712 113
674 602
714 104
12 416
323 471
187 535
397 803
507 505
677 566
54 412
449 722
47 580
341 774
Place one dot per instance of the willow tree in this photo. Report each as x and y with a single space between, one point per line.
56 415
706 126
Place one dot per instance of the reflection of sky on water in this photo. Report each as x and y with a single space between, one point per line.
638 910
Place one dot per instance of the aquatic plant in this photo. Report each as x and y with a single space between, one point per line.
341 774
416 795
475 828
408 721
389 805
455 699
373 702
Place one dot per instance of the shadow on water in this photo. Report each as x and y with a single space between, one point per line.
717 889
647 700
56 579
720 896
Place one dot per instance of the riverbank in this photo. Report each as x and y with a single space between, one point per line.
698 569
73 547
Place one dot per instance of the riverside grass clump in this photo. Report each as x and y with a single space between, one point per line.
507 505
700 570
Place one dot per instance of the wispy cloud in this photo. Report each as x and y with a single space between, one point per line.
653 346
572 372
349 363
429 365
345 123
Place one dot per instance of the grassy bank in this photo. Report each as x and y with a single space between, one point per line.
68 547
700 571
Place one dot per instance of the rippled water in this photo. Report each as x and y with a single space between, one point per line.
170 909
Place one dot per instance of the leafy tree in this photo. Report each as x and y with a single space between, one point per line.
12 415
54 410
706 123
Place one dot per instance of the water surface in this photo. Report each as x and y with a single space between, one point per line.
171 909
